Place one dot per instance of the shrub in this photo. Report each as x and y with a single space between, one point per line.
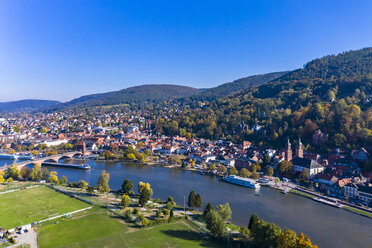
135 211
166 212
128 214
158 213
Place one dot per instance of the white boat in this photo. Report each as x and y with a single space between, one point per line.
246 182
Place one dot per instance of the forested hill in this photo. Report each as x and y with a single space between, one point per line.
143 94
332 94
343 73
230 88
25 106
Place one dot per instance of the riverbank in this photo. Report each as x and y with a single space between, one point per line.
281 186
358 211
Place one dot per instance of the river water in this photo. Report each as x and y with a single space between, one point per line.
327 226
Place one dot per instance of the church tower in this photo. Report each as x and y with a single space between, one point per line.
299 151
288 153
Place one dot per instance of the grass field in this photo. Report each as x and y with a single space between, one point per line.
358 211
301 193
97 229
27 206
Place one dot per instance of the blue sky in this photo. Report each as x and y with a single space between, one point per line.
62 49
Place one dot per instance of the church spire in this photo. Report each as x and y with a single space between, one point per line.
288 153
299 150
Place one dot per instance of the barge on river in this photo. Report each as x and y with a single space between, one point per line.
75 166
246 182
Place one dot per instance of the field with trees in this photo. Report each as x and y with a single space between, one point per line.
96 228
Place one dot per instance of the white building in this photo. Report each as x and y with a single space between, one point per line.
358 191
311 165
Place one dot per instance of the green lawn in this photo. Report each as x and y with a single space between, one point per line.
301 193
358 211
35 204
179 234
97 229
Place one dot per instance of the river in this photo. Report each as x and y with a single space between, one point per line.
327 226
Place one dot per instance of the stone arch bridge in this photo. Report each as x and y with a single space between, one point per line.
54 159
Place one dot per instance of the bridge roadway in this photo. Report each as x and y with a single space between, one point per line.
54 158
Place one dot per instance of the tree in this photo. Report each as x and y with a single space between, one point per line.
215 224
145 192
171 200
103 182
26 172
224 211
269 171
267 160
245 233
140 144
130 156
253 221
255 175
148 153
192 199
125 201
211 167
233 171
36 172
90 190
244 173
277 180
287 239
198 201
109 155
221 169
338 139
2 177
171 214
13 172
45 174
266 234
63 180
82 184
208 208
285 168
304 242
141 158
174 159
127 186
305 175
53 178
128 214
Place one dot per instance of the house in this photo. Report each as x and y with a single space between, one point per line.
339 187
312 166
360 154
359 191
92 146
325 181
319 137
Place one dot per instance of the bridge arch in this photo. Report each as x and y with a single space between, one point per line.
64 157
52 160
